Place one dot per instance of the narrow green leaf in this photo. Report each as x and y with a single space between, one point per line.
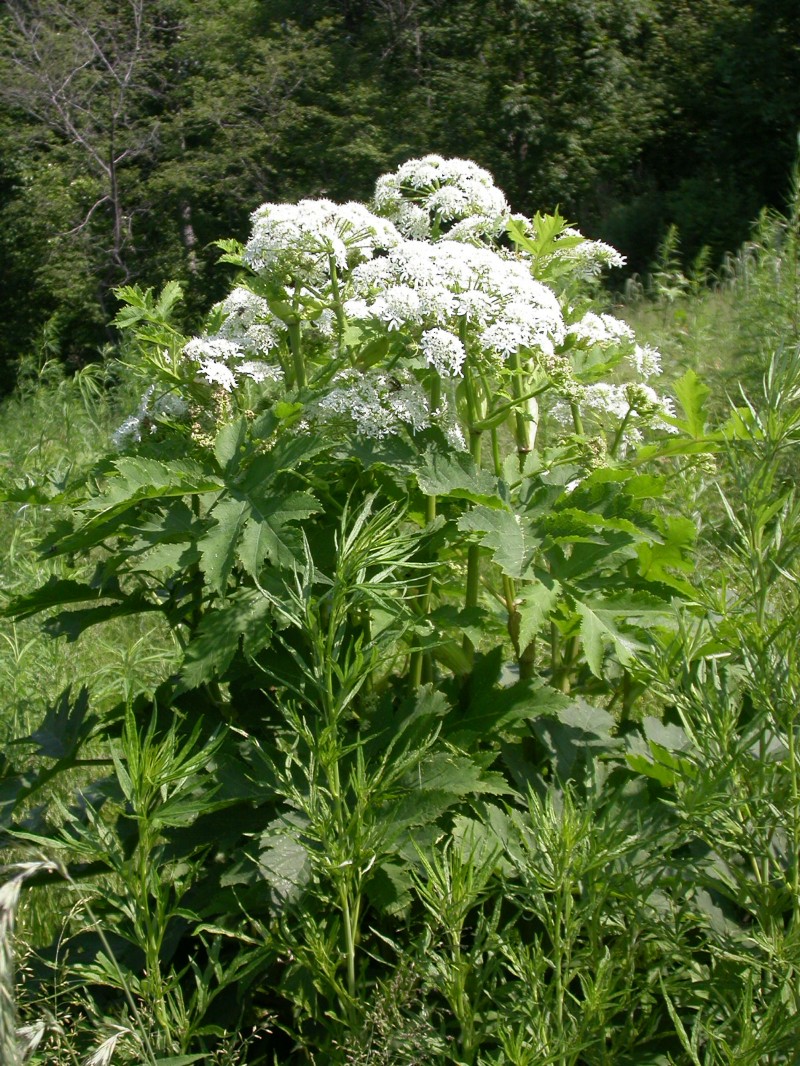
180 1060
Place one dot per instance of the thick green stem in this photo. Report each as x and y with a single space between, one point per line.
577 420
524 427
474 551
612 451
338 308
350 918
296 348
418 657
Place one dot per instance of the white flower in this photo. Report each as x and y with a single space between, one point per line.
425 286
130 432
592 257
452 191
301 239
203 349
646 361
601 329
259 371
412 221
475 305
218 374
447 201
398 306
443 351
379 404
245 306
606 399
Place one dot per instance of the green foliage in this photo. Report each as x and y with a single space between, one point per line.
133 159
457 760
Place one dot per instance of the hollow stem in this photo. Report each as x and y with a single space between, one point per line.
296 348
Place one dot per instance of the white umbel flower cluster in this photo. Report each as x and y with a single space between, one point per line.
424 278
428 197
301 240
154 408
601 329
377 403
222 360
431 289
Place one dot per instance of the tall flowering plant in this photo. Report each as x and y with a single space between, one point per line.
431 350
396 502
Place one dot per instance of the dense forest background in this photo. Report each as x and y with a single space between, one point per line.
134 133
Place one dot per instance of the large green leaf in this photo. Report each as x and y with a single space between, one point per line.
599 626
243 616
139 478
267 532
218 546
451 473
287 453
503 533
692 395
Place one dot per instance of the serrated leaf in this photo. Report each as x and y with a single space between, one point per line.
512 549
599 629
494 711
216 639
574 735
283 860
692 394
599 632
218 546
287 453
267 534
228 442
170 295
538 599
458 775
451 473
140 479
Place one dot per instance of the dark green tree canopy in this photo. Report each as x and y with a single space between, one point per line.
133 134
